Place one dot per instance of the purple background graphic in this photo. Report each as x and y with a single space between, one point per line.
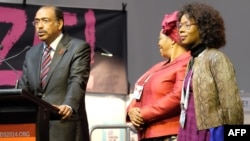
100 28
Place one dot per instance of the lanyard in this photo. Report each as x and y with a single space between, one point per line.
185 94
148 75
138 90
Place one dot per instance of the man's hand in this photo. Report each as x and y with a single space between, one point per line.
65 111
135 117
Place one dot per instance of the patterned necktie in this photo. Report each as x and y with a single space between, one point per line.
46 60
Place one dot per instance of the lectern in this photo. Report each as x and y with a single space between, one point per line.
19 106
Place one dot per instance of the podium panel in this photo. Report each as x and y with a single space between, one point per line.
13 105
18 132
23 116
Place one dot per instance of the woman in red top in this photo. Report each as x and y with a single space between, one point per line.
155 107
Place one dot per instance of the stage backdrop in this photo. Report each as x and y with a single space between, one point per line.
104 30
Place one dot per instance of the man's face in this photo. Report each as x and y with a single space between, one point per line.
46 25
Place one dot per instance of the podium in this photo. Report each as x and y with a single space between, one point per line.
18 106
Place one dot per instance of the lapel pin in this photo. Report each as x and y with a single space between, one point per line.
61 51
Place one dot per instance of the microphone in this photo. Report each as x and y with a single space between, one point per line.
26 48
9 65
17 81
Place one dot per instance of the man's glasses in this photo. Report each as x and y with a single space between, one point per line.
43 21
186 25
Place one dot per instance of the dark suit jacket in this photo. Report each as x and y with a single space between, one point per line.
66 83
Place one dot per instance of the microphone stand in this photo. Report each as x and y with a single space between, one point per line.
5 61
17 81
26 48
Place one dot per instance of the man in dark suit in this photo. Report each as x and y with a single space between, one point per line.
66 78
